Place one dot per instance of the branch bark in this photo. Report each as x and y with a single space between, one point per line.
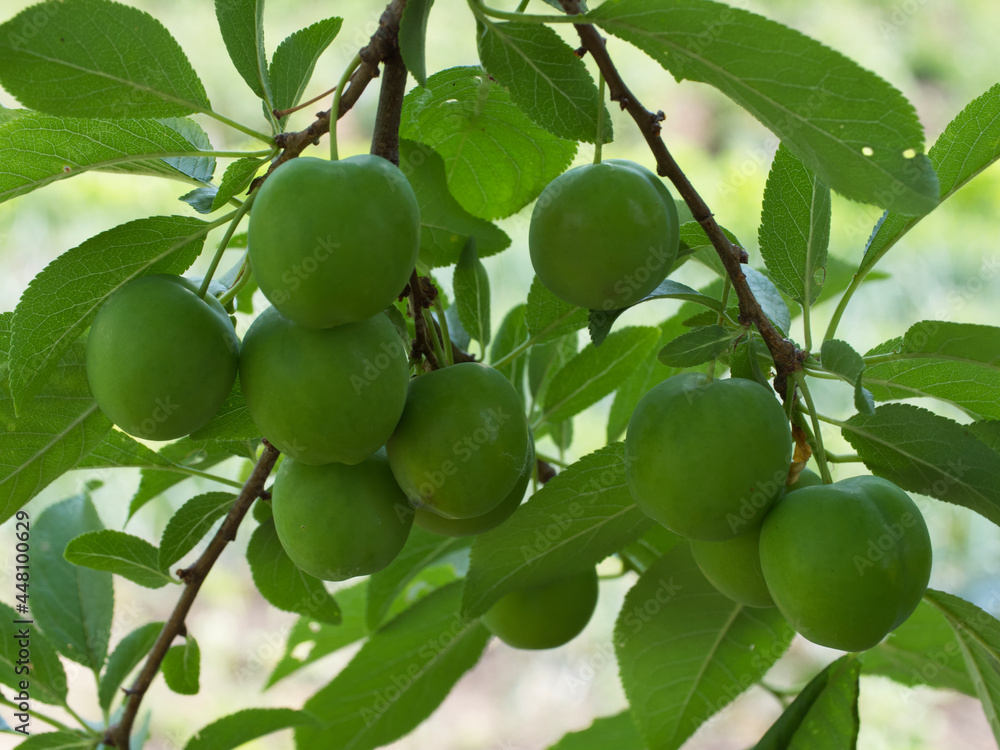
118 734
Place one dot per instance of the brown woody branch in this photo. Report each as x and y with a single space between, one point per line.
787 357
193 576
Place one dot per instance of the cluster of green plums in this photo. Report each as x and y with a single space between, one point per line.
845 563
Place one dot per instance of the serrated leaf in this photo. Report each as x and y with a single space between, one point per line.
444 225
751 362
823 716
549 317
200 168
572 523
128 654
413 38
544 77
295 59
200 199
59 741
770 299
235 179
840 358
496 160
513 332
237 729
794 231
121 554
118 450
47 676
854 130
321 639
398 678
181 667
696 346
545 360
597 371
674 622
242 25
929 454
472 294
978 635
73 605
97 58
39 149
62 300
232 421
422 549
694 242
617 732
190 524
921 651
282 583
969 144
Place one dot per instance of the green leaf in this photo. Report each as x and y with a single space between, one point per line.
282 583
200 199
769 297
572 523
239 728
38 150
617 732
398 677
675 623
413 38
118 451
119 553
59 741
969 144
47 676
190 524
320 639
978 635
840 358
199 168
472 294
295 59
128 654
929 454
73 605
232 421
513 332
794 231
694 242
549 317
181 667
62 300
921 651
650 547
544 77
242 25
444 225
422 549
496 160
600 321
97 58
597 371
824 716
236 179
545 360
855 131
696 346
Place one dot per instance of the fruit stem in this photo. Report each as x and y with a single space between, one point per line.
449 357
242 279
599 138
237 217
842 458
819 451
335 109
435 337
480 8
521 8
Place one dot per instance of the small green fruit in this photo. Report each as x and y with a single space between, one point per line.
733 567
160 359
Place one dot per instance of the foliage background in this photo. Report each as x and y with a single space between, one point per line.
941 55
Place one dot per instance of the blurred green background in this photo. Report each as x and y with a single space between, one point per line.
941 55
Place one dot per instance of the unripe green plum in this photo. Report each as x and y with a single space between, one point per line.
733 567
545 616
160 359
806 478
334 242
322 395
846 563
436 524
603 236
462 442
337 521
707 458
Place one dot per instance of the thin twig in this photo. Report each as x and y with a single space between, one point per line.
118 734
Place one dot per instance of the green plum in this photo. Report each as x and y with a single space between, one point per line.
160 359
332 394
334 242
603 236
545 616
733 567
338 521
462 442
707 458
848 562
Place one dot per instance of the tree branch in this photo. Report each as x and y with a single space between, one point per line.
118 734
787 357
